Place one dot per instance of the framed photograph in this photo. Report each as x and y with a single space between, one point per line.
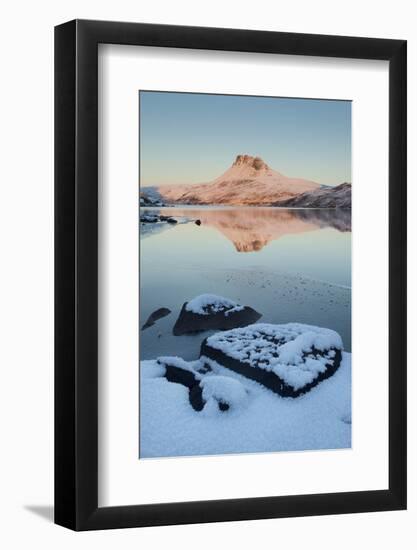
230 244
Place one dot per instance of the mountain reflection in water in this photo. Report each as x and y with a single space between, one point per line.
251 229
291 265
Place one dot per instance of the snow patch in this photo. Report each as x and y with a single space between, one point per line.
151 369
206 304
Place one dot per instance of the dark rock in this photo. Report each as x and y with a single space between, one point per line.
168 219
189 321
185 377
180 376
196 398
149 218
197 222
155 316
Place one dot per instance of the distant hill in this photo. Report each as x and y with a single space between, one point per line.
248 182
329 197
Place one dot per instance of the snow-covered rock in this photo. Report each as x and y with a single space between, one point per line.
288 359
186 373
205 304
147 217
212 312
222 393
212 393
180 371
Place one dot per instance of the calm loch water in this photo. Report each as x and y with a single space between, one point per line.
291 265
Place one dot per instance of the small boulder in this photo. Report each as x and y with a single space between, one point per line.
212 312
155 316
149 218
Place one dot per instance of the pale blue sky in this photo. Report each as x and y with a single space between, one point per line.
193 138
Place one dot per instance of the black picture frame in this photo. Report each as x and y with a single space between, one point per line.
76 272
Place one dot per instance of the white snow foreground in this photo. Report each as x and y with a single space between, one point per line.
296 353
257 420
211 303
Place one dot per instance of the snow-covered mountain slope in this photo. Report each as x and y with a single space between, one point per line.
249 181
333 197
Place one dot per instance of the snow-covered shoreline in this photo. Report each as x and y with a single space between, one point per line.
260 387
263 421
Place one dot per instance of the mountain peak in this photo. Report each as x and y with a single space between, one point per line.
248 181
252 162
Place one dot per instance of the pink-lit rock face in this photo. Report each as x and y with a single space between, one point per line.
251 229
248 182
251 162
